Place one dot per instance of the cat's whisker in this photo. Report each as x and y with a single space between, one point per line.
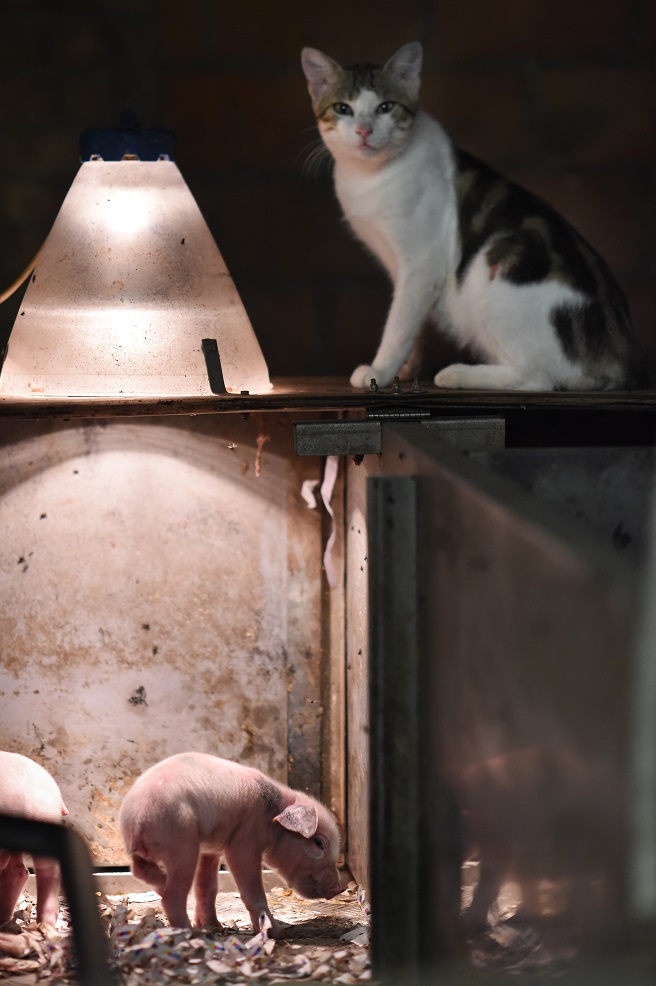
318 158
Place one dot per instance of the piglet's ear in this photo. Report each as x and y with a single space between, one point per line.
320 71
299 818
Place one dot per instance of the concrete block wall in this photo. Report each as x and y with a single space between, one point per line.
558 94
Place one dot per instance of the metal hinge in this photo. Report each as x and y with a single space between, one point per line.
398 415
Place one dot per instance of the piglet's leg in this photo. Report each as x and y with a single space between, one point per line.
179 877
206 885
496 858
475 918
148 872
247 872
180 865
48 875
13 877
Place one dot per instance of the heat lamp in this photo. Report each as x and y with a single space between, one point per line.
130 296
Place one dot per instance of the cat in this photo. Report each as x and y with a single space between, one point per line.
498 269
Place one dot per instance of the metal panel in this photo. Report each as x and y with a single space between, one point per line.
395 735
525 629
606 489
642 872
160 589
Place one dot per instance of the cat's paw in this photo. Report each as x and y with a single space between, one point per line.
362 377
490 376
454 377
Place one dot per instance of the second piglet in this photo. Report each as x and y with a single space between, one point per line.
28 790
186 812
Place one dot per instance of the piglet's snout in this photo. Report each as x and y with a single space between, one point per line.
333 891
328 885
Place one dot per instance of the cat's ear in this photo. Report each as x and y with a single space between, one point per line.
405 65
321 71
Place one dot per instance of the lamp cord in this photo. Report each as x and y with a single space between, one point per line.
21 278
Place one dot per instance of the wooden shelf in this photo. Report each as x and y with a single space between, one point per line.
317 394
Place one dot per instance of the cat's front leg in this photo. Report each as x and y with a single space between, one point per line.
414 297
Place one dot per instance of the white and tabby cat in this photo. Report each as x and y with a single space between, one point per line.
494 266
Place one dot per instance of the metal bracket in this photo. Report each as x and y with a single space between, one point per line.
365 437
479 434
337 438
127 141
213 364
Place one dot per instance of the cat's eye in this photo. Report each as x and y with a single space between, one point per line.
386 107
342 109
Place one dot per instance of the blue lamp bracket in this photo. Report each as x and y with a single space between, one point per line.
129 140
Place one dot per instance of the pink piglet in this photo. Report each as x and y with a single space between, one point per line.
187 811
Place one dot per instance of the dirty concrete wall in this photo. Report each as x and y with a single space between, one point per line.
148 605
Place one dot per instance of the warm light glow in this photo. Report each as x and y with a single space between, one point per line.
128 284
127 212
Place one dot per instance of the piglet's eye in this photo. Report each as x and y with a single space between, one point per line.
385 107
318 842
342 109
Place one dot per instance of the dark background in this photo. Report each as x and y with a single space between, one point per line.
558 94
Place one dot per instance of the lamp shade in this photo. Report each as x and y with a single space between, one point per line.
127 285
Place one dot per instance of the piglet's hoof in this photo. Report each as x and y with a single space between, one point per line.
277 931
215 927
474 922
16 945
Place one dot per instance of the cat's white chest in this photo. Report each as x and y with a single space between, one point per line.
368 204
405 210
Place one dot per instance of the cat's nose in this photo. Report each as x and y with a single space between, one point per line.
363 130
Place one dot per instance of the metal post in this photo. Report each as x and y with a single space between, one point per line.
394 737
47 839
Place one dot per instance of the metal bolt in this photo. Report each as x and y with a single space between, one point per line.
397 386
373 386
415 385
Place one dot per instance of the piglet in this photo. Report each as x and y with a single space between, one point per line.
28 790
184 813
551 821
